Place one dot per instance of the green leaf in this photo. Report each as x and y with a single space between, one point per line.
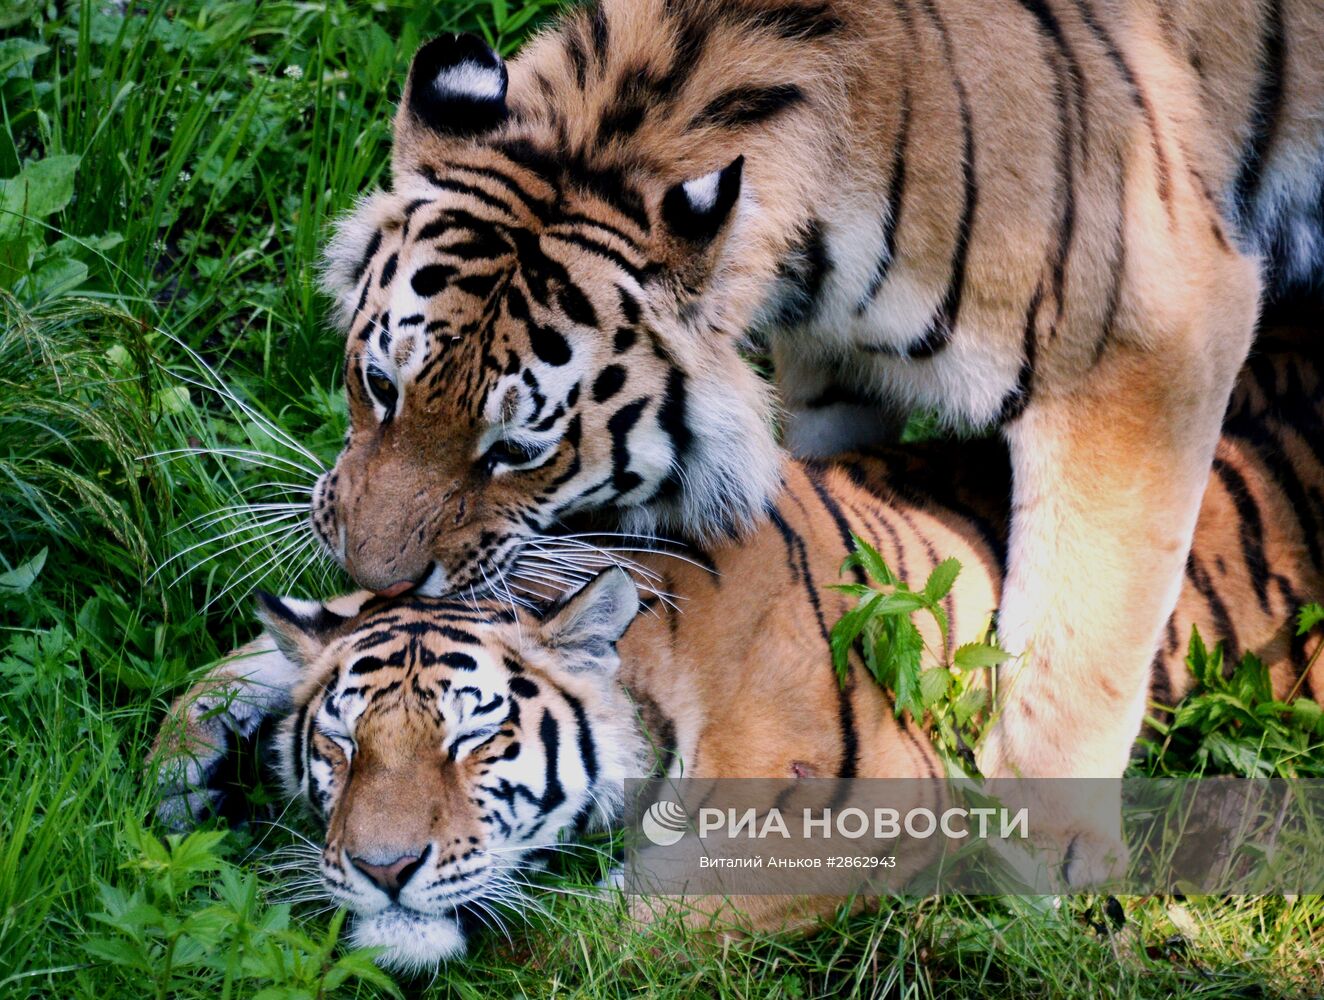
40 189
971 701
51 278
360 964
939 583
870 560
1308 617
846 631
933 685
902 602
1308 716
16 54
1251 680
1205 665
904 655
978 656
21 578
853 589
117 951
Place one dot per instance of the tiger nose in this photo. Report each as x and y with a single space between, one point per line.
392 876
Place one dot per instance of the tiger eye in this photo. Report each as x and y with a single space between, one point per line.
383 389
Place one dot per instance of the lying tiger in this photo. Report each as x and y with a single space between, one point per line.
442 742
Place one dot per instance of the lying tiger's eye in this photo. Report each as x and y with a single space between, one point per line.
382 388
508 453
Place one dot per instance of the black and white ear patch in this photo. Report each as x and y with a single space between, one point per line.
300 629
695 210
457 86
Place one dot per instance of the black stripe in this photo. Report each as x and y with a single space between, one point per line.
621 120
939 334
580 219
619 425
601 250
1019 398
460 187
896 189
1195 572
588 754
485 244
608 383
549 733
536 206
690 39
672 416
814 473
431 279
1251 528
1160 687
802 273
1049 25
795 21
600 32
1138 98
574 50
374 244
1283 473
1267 107
388 270
796 554
297 744
743 106
458 661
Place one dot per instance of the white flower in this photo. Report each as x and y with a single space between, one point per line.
294 72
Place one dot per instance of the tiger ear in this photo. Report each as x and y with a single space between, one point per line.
300 629
587 624
695 210
457 87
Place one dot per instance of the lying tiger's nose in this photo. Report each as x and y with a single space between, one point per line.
390 877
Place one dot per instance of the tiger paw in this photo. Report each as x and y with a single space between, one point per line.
193 743
1093 860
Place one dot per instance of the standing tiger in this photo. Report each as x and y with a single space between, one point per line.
1053 216
443 741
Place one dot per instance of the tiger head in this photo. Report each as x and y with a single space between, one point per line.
527 341
443 743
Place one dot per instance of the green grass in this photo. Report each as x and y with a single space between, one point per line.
170 179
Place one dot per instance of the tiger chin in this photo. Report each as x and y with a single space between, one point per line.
443 744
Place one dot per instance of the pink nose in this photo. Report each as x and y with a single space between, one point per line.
392 876
396 589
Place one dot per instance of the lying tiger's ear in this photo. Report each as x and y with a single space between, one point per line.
695 210
301 629
457 87
586 625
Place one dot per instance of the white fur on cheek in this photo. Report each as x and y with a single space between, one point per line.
414 942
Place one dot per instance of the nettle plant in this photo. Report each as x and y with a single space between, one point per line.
1231 723
945 690
192 917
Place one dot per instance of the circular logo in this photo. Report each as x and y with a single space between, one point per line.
664 823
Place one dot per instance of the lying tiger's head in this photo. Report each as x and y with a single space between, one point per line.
443 743
526 342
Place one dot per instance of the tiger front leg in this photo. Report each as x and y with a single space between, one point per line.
1108 476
